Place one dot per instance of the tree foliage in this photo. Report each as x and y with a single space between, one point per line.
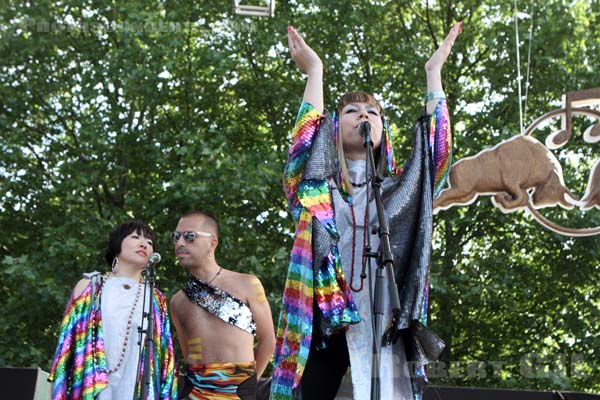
145 109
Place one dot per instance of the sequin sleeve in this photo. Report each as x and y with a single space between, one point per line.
307 125
163 362
79 366
440 142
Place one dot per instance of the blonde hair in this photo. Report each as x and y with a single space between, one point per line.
349 98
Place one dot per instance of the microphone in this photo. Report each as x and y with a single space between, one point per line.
364 129
153 260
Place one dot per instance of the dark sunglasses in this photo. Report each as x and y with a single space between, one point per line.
189 236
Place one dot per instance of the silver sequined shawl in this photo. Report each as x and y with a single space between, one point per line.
408 202
221 304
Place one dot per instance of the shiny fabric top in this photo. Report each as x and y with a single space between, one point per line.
221 304
314 272
163 381
79 369
440 142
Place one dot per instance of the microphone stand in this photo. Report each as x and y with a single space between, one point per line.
148 316
385 259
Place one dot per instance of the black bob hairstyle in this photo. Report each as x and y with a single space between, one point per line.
115 238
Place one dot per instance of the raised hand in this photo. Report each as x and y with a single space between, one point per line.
433 67
437 60
308 62
305 58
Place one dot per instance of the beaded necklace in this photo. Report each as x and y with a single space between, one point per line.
363 274
128 330
357 185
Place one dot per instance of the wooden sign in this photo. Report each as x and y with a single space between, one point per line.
523 173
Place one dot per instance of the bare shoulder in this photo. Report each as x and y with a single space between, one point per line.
248 281
253 289
80 287
243 284
176 299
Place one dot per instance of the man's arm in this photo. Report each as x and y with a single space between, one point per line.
265 332
181 336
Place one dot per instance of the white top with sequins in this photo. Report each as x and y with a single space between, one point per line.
395 382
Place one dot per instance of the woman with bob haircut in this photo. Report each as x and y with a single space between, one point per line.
325 326
97 356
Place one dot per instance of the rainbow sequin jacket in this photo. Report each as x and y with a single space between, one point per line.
316 293
79 370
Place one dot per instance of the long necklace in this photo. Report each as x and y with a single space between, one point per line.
357 185
363 274
127 331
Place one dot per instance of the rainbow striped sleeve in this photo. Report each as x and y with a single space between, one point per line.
440 142
294 331
310 202
79 367
305 129
166 367
163 379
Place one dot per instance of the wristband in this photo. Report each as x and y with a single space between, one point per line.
435 95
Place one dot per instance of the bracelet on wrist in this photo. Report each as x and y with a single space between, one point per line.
435 95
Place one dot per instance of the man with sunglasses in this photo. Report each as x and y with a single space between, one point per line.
217 315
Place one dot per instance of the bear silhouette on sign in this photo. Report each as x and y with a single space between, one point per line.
513 171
